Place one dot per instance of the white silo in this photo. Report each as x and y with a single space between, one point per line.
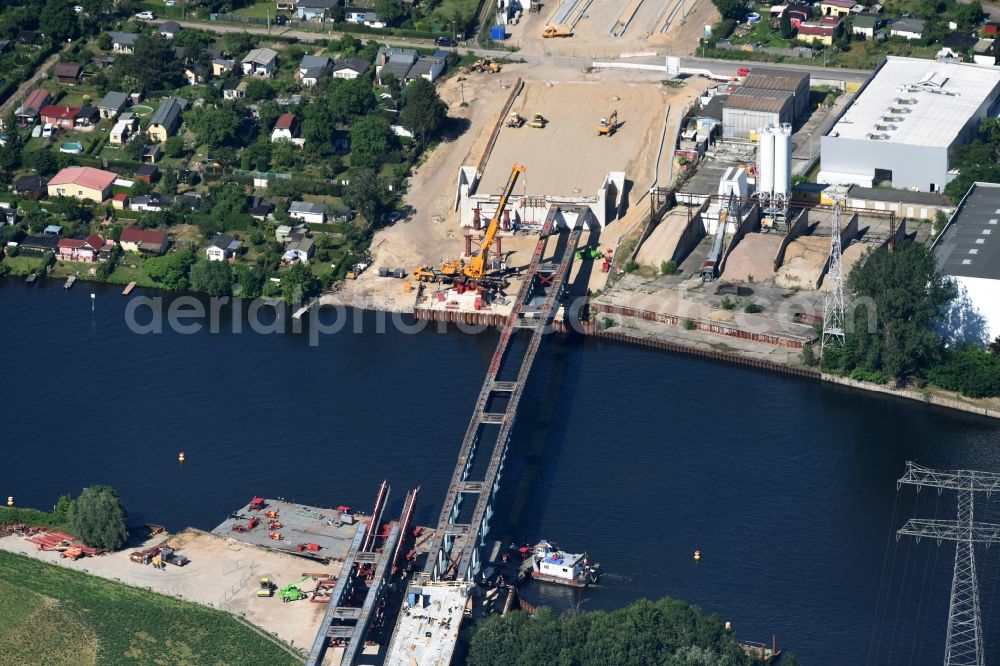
783 160
765 161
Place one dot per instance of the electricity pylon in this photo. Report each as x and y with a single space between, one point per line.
964 646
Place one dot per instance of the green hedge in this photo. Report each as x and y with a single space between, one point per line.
18 516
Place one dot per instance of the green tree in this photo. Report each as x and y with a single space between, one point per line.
174 146
11 152
735 10
371 139
152 64
351 97
298 283
99 519
390 11
366 194
237 44
104 42
42 161
346 45
319 127
259 89
423 112
170 270
785 25
62 508
904 294
59 20
214 126
211 277
248 279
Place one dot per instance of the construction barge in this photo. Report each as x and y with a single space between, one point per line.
549 564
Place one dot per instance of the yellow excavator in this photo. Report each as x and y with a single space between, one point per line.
608 125
455 270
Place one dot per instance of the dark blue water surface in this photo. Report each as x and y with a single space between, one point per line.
787 487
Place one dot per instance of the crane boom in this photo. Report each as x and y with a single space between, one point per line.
477 265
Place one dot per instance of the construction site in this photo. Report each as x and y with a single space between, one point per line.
607 27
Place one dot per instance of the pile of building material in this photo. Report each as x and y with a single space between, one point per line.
805 258
753 259
66 545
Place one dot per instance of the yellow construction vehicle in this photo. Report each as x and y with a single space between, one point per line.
538 121
487 65
455 270
608 125
475 270
557 31
515 119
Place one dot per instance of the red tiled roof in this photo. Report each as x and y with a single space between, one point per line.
95 241
121 196
36 99
84 177
843 4
71 242
813 29
53 111
285 121
137 235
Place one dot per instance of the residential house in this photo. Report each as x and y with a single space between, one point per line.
146 241
221 248
196 73
260 62
166 119
91 249
865 25
907 28
260 208
33 187
313 68
147 173
103 62
82 183
838 8
32 105
315 10
170 28
812 33
68 73
87 116
153 202
60 116
222 66
349 68
151 153
124 130
394 62
984 52
119 201
112 104
310 212
405 65
354 16
39 245
123 42
372 20
28 38
234 89
286 128
299 248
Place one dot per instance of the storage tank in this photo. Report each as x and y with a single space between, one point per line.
783 160
765 161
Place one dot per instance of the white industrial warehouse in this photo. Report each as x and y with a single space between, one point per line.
968 251
903 126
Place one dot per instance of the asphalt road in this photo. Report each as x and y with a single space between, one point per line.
721 67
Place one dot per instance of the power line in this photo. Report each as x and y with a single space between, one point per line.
964 643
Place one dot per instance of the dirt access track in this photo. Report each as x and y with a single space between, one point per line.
223 573
567 157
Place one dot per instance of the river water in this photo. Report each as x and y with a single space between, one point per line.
787 486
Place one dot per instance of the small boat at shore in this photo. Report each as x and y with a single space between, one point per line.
550 564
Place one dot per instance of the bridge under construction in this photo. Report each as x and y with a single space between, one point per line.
439 597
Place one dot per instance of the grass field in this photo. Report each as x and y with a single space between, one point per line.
53 615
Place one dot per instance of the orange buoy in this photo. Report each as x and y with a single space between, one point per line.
10 500
697 555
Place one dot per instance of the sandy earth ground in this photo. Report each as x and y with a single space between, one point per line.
598 31
754 256
430 233
223 573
